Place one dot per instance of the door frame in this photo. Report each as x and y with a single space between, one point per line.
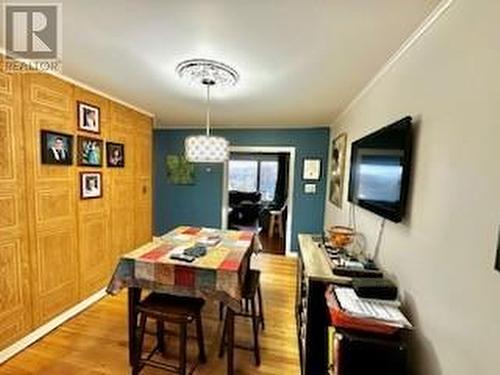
291 179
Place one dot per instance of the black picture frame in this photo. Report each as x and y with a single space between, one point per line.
86 146
48 148
115 161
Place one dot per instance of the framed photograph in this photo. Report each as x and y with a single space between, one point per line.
56 148
89 151
90 185
88 118
179 170
115 155
311 169
497 260
337 173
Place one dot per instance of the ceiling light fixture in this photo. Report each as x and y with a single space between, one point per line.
209 73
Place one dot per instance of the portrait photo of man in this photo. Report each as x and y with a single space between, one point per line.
56 148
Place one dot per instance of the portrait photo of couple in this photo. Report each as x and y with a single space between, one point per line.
89 152
88 118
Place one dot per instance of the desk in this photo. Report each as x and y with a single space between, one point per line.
220 274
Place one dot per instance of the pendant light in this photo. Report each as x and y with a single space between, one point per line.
207 148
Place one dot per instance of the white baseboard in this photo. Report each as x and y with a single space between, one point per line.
38 333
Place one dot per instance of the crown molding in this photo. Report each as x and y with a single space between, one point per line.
439 11
88 88
159 126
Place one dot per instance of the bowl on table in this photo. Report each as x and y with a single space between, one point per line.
341 236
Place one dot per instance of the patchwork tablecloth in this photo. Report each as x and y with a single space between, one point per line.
219 274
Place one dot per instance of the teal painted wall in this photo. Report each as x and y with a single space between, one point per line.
200 203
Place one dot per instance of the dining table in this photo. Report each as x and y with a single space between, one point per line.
218 274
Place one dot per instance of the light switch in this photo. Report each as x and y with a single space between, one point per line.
310 188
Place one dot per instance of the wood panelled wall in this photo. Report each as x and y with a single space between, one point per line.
56 249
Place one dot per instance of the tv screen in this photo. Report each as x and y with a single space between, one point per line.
380 170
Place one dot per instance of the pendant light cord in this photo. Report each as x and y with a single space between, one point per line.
208 110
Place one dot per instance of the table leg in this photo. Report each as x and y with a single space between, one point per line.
134 295
230 340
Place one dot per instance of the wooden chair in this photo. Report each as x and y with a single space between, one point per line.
166 308
276 220
251 291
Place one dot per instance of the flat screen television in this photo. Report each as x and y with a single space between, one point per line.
380 170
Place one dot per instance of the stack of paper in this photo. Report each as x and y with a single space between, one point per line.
209 240
355 306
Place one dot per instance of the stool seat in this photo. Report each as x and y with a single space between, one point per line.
166 308
250 291
171 308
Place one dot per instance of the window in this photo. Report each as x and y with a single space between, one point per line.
243 175
268 179
254 175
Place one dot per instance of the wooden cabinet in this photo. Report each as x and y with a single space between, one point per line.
55 248
15 301
122 183
143 181
52 193
313 276
94 234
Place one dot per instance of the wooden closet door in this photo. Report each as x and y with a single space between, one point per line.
15 301
93 214
122 183
48 104
143 181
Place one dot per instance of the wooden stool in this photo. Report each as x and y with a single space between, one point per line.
276 219
251 290
169 309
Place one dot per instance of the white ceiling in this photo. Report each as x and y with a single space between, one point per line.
301 62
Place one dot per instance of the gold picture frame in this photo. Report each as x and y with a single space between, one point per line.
337 171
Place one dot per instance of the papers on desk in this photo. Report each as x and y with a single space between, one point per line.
209 240
355 306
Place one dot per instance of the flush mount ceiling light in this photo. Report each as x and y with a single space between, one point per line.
207 148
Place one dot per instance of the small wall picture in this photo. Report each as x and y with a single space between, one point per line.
497 260
89 152
90 185
179 170
88 118
115 154
56 148
337 172
312 169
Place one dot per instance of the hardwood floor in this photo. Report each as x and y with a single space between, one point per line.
95 342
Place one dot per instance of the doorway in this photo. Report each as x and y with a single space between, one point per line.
258 194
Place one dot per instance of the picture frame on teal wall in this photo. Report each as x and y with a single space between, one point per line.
179 170
311 169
